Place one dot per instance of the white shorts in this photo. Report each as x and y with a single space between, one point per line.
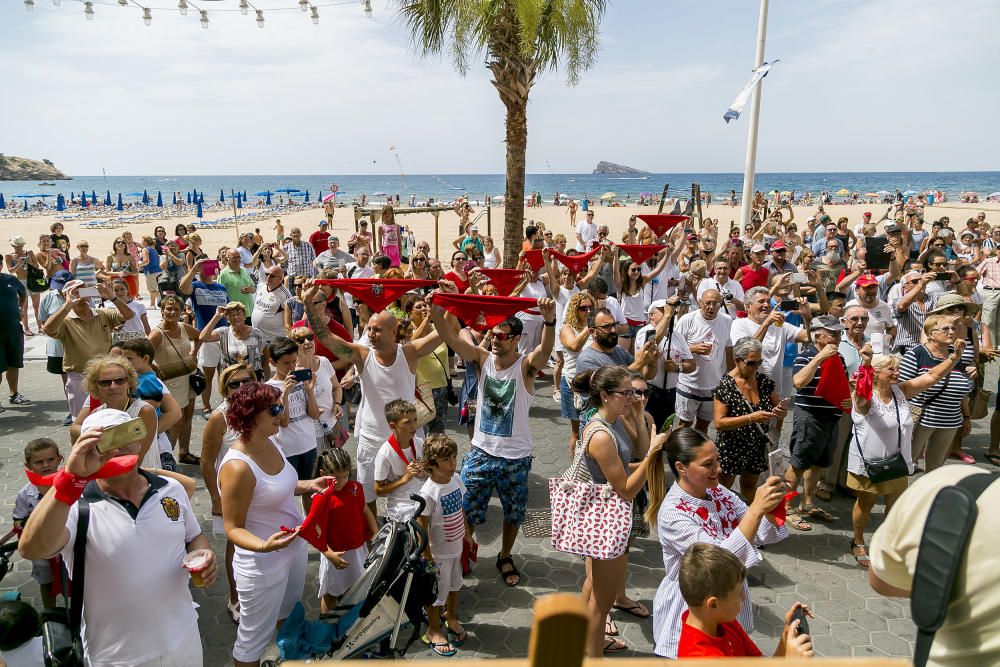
336 582
531 335
218 529
187 654
264 600
366 469
209 355
449 578
690 409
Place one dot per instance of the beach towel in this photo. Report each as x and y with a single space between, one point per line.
377 293
504 279
640 253
482 312
664 222
575 263
833 386
534 259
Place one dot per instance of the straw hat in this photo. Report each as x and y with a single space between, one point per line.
950 300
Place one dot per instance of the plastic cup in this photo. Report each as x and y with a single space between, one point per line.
195 563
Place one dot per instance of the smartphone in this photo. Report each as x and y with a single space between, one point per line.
302 374
667 424
799 278
878 343
210 267
788 305
88 293
120 435
776 463
943 275
800 615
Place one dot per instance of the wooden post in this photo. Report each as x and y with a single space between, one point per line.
663 198
489 221
437 242
236 217
696 193
375 247
559 632
356 217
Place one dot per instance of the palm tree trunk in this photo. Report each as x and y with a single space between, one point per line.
513 217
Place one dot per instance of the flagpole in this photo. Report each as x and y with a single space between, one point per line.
749 169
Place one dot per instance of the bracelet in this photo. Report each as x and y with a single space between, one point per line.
260 549
551 323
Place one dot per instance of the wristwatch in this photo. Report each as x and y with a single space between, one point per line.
550 323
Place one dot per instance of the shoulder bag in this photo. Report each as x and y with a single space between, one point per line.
888 468
175 369
62 645
588 519
423 401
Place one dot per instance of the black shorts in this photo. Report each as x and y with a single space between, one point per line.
304 464
54 365
12 349
813 439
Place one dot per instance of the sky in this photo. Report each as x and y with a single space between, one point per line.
862 85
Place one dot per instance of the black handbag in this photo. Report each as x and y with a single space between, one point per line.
62 645
198 382
888 468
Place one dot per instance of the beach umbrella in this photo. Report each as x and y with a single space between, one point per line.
145 198
107 198
159 199
189 197
289 190
25 204
262 193
93 198
883 193
871 194
992 194
222 196
201 213
60 203
121 204
306 200
83 199
201 198
3 202
268 200
842 192
609 195
239 200
175 199
909 193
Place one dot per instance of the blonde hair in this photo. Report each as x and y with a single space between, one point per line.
884 362
227 374
571 318
233 305
97 365
699 267
934 321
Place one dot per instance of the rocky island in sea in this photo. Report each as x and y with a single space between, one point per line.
612 168
13 168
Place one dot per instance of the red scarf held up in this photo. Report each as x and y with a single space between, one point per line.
640 253
482 312
833 386
504 279
314 528
574 263
534 259
377 293
864 380
780 513
661 223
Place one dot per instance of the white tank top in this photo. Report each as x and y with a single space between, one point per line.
380 385
533 290
633 306
502 428
228 438
273 505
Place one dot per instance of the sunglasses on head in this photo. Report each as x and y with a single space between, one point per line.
499 335
304 337
276 409
116 381
236 384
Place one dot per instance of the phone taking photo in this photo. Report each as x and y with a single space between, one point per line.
302 374
800 615
88 293
119 435
788 305
776 463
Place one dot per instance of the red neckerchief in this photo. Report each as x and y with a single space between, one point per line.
640 253
661 223
480 312
576 262
504 279
377 293
399 450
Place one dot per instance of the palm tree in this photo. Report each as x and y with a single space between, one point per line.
521 39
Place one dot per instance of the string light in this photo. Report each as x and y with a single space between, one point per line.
183 6
314 14
368 8
310 6
147 16
56 2
244 7
123 3
88 10
260 19
204 19
304 5
29 5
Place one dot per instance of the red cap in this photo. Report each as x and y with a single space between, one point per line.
868 214
778 245
866 280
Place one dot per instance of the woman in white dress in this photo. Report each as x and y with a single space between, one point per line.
698 509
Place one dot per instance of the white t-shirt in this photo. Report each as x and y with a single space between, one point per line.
731 286
879 318
355 271
660 287
299 436
269 310
679 351
562 299
134 325
446 516
388 468
773 354
588 232
696 329
611 303
323 390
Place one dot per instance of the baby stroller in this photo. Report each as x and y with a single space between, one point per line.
397 583
8 545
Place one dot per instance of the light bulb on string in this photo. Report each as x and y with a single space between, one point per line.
244 7
260 19
314 14
56 3
147 16
183 6
123 3
204 18
29 5
88 10
304 5
368 8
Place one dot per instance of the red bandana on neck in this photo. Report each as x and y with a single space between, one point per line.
399 450
575 262
377 293
482 312
640 253
119 465
662 223
534 259
504 279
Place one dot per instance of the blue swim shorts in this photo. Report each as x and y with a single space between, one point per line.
483 473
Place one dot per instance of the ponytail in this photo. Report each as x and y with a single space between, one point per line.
682 446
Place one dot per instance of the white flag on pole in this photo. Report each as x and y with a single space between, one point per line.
736 108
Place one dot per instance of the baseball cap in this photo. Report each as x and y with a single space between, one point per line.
104 418
891 228
828 322
866 280
475 228
59 279
811 218
778 245
758 247
658 304
867 214
323 223
17 239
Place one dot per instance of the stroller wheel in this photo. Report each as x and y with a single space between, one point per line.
268 663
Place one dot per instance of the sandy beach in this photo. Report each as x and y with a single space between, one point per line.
555 218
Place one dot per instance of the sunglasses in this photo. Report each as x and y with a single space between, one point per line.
116 381
304 337
276 409
628 393
606 327
499 335
585 309
945 329
641 393
750 364
236 384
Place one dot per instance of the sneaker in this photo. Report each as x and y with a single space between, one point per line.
68 420
18 399
557 396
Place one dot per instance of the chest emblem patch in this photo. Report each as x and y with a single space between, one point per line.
171 508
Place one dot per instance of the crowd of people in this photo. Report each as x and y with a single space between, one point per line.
316 366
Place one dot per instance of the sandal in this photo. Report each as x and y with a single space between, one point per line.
234 611
961 456
816 512
613 645
190 459
206 413
993 458
456 638
436 647
862 558
824 495
610 629
507 574
637 609
795 520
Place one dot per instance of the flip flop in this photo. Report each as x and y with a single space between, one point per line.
795 520
993 459
610 629
862 559
639 610
512 572
436 647
190 459
613 645
456 638
816 512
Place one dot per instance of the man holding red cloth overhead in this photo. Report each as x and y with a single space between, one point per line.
822 394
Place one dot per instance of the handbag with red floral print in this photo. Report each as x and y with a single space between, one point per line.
588 519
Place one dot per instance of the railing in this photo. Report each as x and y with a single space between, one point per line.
559 633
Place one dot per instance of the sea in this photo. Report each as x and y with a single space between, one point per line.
448 187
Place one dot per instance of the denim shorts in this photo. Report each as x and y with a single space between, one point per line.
569 411
482 473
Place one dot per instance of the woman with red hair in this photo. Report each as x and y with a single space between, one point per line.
258 489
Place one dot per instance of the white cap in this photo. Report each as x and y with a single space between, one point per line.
105 417
655 305
72 285
17 239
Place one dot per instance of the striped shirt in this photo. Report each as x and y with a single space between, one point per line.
805 397
909 324
300 259
942 403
